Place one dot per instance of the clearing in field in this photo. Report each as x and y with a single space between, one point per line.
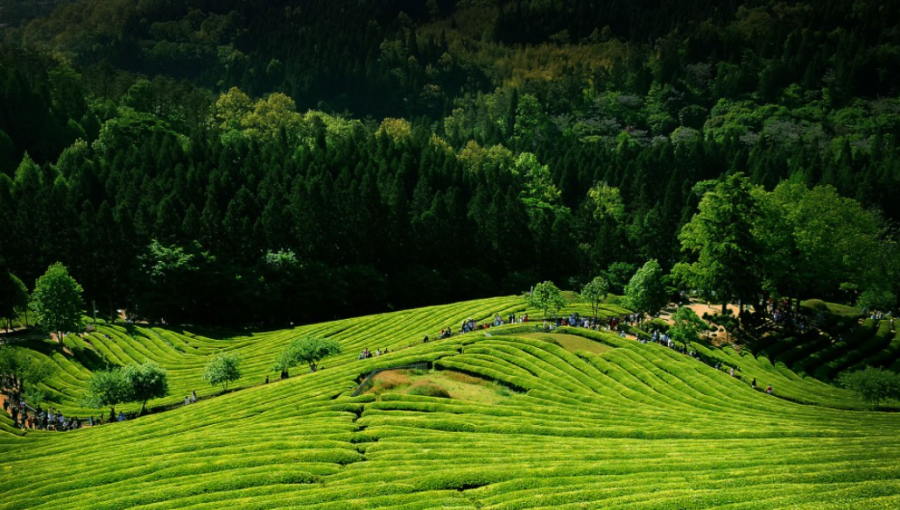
440 384
571 343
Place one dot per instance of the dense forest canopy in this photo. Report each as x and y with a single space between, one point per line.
270 161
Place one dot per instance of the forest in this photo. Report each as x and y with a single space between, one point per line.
249 162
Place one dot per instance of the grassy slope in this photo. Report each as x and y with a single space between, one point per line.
637 426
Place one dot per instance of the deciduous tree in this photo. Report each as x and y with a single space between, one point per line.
57 301
222 369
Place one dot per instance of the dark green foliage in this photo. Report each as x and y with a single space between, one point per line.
13 297
874 385
18 363
145 381
486 186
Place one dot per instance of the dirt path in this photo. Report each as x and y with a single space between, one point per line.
699 309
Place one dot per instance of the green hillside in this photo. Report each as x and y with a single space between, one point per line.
629 426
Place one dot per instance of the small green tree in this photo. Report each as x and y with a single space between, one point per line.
222 369
646 292
312 350
284 361
107 388
545 296
687 326
57 301
594 292
145 381
874 385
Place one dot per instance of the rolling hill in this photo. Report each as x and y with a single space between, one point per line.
532 422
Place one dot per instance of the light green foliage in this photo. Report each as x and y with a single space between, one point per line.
687 326
107 388
607 202
529 117
145 381
545 296
222 369
539 193
310 350
162 260
263 119
874 385
646 292
721 237
57 301
595 292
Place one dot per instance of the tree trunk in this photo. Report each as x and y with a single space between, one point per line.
724 307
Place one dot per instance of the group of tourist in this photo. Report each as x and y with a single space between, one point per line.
366 354
192 398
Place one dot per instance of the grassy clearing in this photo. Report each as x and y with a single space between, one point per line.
571 343
458 385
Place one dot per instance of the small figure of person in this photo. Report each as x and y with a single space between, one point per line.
753 383
769 390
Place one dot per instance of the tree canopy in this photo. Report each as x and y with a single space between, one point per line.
311 350
145 381
20 364
57 302
107 388
13 296
507 146
223 368
594 293
687 326
647 293
721 237
874 385
545 296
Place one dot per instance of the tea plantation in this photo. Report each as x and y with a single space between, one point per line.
630 426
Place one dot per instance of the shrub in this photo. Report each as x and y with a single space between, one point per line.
428 390
874 385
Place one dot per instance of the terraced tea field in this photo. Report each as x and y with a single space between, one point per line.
871 343
623 426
